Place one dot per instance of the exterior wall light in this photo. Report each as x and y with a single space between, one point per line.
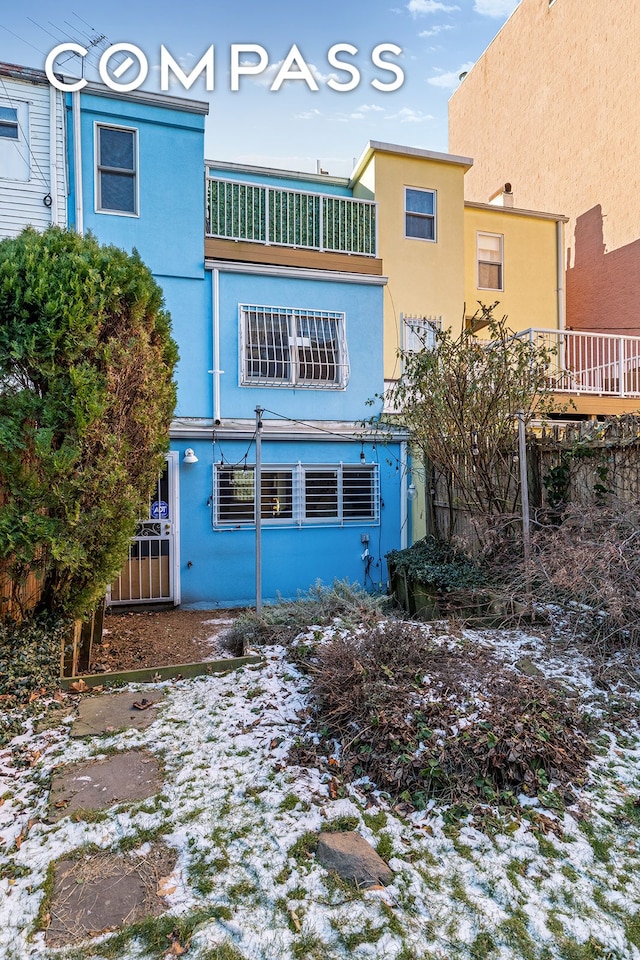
412 493
189 456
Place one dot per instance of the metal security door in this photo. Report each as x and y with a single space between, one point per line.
150 572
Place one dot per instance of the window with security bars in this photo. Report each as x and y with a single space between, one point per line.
116 180
293 347
297 495
420 332
489 246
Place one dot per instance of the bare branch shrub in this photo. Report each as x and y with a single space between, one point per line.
459 400
590 563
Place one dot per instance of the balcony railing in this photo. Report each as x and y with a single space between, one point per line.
237 210
591 363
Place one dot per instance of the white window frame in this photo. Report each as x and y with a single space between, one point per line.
425 216
15 152
298 510
479 261
99 169
296 343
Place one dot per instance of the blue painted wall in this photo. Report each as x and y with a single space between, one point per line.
169 231
188 302
362 306
218 565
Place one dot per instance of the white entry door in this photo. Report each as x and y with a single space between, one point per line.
151 572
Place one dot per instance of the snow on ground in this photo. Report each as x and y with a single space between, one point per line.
240 818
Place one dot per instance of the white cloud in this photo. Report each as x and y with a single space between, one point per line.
495 8
450 80
419 7
409 115
434 31
266 78
367 107
308 115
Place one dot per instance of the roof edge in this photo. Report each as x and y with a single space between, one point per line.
519 211
380 146
278 171
148 97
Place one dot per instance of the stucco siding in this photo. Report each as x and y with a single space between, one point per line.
529 244
552 108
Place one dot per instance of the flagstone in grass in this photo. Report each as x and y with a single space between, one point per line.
99 784
103 892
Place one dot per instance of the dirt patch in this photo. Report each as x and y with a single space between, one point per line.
159 638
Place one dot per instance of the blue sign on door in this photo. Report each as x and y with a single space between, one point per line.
159 510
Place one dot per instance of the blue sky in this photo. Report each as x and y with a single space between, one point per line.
295 126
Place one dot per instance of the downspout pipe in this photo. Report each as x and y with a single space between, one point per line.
562 320
404 502
53 152
215 318
77 163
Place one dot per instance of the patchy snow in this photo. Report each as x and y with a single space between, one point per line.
237 814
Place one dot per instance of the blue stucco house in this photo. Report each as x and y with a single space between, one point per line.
275 291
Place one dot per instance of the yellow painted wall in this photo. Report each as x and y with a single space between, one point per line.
425 278
529 297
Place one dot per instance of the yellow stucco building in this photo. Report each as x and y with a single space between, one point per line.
442 255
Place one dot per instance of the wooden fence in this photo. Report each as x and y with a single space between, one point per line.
17 598
594 462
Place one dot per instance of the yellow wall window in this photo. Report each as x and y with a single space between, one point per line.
490 261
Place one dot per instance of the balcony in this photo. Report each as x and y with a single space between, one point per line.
600 364
275 216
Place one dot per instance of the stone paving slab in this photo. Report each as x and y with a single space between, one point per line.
108 712
101 893
98 784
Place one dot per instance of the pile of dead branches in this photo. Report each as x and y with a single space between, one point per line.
424 717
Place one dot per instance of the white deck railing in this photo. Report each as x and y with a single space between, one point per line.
594 363
237 210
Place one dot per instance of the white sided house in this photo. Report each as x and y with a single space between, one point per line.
33 174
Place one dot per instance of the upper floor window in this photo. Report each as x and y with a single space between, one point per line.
288 347
9 123
15 154
116 174
420 213
490 262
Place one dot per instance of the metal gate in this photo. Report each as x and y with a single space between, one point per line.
150 574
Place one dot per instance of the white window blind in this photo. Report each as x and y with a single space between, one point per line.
489 261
